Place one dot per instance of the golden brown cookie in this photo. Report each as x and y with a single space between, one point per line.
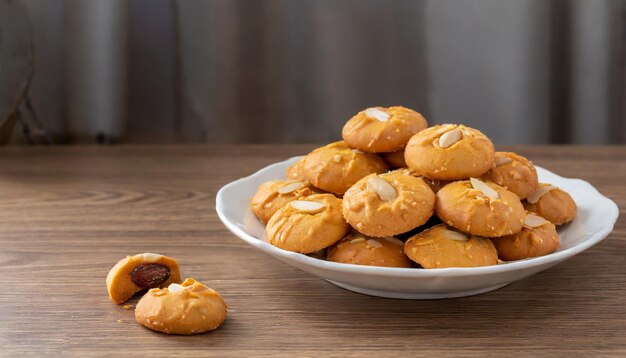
538 237
514 172
441 246
296 170
551 203
336 167
359 249
308 225
140 272
479 208
380 129
188 308
395 159
449 152
388 204
275 194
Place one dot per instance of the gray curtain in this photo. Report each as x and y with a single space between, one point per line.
273 71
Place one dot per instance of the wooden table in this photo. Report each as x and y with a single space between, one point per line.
67 214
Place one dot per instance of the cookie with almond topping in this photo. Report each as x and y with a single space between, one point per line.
187 308
538 237
307 225
441 247
358 249
551 203
449 152
382 129
275 194
480 208
336 167
514 172
388 204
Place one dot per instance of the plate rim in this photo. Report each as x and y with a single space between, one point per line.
268 248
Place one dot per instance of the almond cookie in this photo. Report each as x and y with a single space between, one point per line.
395 159
358 249
479 208
188 308
296 170
449 152
140 272
388 204
513 172
275 194
537 238
441 246
336 167
380 129
551 203
308 225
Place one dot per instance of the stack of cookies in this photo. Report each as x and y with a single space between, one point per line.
397 193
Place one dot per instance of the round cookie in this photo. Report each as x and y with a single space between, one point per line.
538 237
514 172
388 204
296 170
308 225
380 129
358 249
449 152
440 247
140 272
275 194
479 208
395 159
188 308
551 203
336 167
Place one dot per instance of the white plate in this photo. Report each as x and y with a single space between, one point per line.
595 219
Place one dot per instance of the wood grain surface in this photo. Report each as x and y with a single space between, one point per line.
67 214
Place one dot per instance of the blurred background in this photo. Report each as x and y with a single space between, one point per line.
286 71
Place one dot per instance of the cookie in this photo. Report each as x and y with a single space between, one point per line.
551 203
395 159
336 167
188 308
479 208
140 272
380 129
440 247
308 225
358 249
275 194
388 204
449 152
296 170
514 172
538 237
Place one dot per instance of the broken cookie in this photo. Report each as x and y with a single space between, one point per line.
140 272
